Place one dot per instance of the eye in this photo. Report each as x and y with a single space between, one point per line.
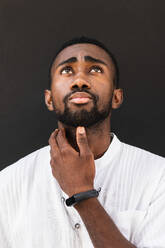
96 69
66 70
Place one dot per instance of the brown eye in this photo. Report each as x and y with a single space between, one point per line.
66 70
96 69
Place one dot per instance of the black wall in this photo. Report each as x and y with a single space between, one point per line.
30 33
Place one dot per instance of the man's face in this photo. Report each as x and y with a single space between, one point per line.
82 85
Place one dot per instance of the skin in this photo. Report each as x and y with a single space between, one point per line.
73 150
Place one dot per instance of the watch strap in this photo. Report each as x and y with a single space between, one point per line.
81 196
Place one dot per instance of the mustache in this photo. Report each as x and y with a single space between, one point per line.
93 96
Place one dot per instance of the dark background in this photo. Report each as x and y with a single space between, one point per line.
30 33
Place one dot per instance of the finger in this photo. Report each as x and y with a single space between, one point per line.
62 141
52 141
82 141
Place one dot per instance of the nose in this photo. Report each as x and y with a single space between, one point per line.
80 83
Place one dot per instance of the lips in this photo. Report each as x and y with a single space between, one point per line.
80 95
80 98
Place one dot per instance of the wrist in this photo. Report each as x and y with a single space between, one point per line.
79 190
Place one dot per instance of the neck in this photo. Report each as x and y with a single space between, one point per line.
98 136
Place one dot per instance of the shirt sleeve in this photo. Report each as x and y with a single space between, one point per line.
151 233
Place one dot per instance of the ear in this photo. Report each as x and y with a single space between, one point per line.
117 98
48 100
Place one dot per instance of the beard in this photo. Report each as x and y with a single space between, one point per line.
83 117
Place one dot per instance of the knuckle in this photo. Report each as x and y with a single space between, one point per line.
64 150
53 156
53 152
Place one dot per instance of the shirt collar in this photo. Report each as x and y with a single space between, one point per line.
110 153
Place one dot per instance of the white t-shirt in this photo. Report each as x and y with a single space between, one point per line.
33 213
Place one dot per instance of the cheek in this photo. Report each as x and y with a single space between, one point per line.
59 91
57 101
105 94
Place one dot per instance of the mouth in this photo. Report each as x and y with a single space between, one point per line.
80 98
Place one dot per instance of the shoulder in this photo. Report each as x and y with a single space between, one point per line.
24 167
138 164
135 155
140 173
139 155
144 167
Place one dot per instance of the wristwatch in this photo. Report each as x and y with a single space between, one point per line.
74 199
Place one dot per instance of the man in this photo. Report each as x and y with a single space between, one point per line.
87 189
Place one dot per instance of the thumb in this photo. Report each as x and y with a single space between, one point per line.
82 141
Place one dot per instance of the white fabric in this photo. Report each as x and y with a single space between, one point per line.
33 213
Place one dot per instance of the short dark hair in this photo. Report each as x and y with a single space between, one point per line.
84 39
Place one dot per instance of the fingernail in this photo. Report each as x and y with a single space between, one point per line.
81 130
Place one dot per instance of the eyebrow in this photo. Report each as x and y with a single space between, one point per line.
87 59
91 59
70 60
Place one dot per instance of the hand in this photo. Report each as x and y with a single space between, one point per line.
74 171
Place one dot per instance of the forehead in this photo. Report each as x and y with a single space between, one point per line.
81 50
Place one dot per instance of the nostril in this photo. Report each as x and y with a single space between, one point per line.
75 86
85 86
80 84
